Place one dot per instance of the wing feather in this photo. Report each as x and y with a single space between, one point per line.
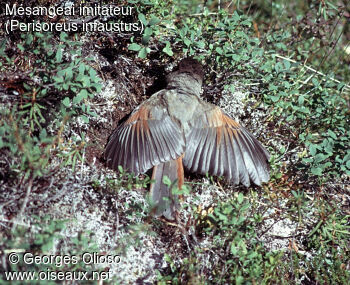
146 139
218 145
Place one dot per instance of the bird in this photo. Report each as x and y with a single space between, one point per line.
174 130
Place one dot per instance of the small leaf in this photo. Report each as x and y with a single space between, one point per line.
187 42
80 96
43 134
148 31
83 93
154 21
21 48
340 86
274 98
301 100
315 81
166 180
66 102
312 149
246 23
241 34
69 72
236 57
29 39
86 81
200 44
85 119
134 47
145 39
58 57
320 157
219 50
92 72
167 49
348 164
142 18
143 52
81 69
63 37
316 171
97 86
332 134
240 198
286 64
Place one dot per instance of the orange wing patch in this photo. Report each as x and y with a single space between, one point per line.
180 172
228 121
222 123
139 119
141 114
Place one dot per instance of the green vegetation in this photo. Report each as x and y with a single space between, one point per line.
30 245
293 60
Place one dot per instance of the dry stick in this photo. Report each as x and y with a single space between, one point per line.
16 222
116 222
25 202
313 70
330 37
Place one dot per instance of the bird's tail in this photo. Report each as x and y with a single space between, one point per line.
162 195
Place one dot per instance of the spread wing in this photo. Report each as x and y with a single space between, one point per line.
218 145
147 138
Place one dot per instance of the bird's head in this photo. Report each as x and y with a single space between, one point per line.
188 76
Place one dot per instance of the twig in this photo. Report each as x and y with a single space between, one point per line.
286 237
313 70
25 202
283 155
58 195
116 222
18 223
